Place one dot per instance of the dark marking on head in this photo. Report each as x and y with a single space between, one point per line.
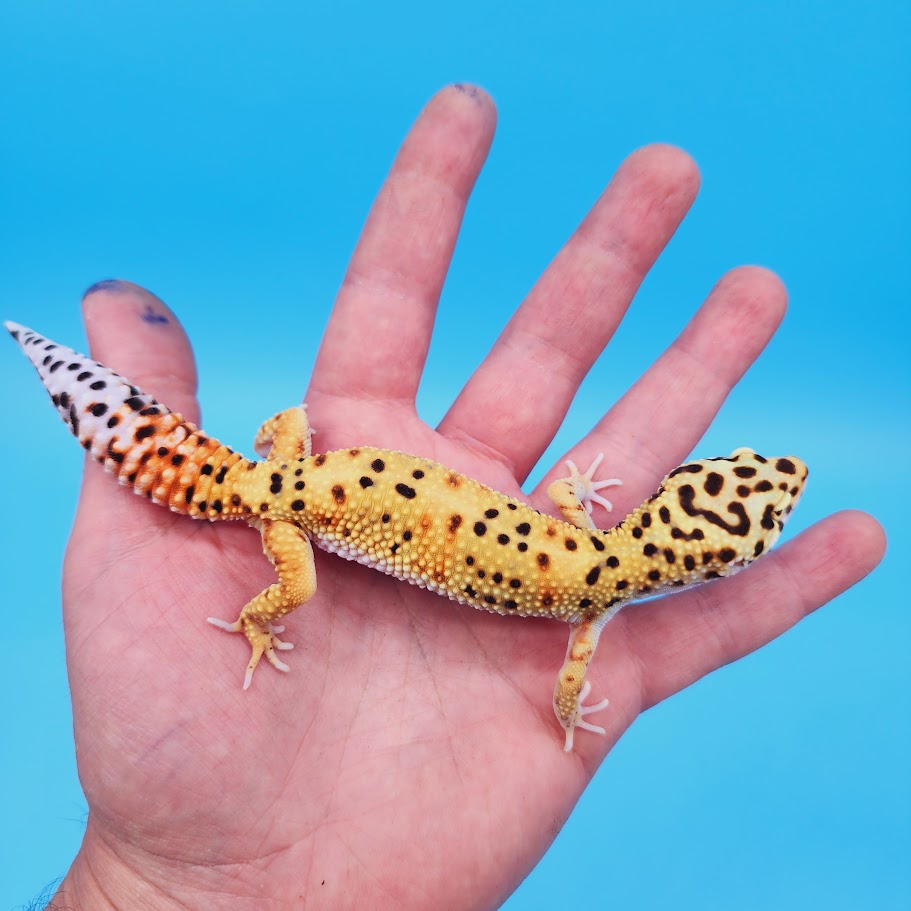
744 471
687 496
713 483
786 466
743 491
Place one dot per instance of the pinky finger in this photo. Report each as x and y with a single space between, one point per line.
678 640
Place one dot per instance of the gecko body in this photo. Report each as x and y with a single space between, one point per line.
424 523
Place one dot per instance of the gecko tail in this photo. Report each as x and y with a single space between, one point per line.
146 445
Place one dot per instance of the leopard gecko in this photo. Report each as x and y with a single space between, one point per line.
424 523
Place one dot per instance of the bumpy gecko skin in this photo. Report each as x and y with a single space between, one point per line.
423 523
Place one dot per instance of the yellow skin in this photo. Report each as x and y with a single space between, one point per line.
424 523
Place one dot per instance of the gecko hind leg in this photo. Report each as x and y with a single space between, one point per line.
285 435
288 547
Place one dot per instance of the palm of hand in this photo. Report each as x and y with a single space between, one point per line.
412 752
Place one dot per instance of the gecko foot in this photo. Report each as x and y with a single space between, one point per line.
581 711
263 639
587 488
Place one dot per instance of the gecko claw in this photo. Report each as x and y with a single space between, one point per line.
263 640
581 711
588 488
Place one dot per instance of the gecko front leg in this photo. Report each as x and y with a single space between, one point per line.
289 550
576 495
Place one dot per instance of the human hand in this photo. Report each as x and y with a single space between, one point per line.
411 757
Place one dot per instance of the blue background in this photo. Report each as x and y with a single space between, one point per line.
225 155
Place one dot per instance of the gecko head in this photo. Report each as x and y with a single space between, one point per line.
769 489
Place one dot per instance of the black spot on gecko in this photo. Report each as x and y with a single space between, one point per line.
299 485
112 454
143 432
763 486
669 555
377 465
177 459
543 561
497 577
744 471
275 486
385 517
612 562
511 605
503 539
417 474
515 583
98 409
757 550
216 505
320 460
480 529
490 599
470 591
571 544
714 482
55 366
188 494
687 495
692 468
469 561
654 575
454 522
135 403
151 411
163 451
785 466
637 532
743 491
585 602
650 550
665 515
491 513
407 536
521 547
711 574
599 544
622 584
768 521
366 482
407 492
646 520
689 562
726 554
221 474
208 469
523 528
338 494
512 506
592 576
235 499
